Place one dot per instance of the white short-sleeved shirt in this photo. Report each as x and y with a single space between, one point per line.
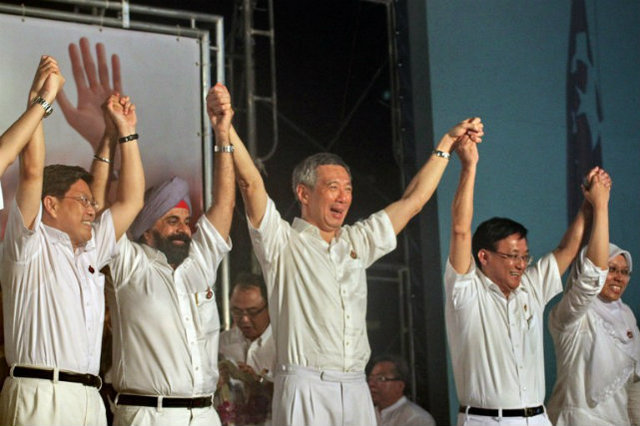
404 413
496 343
259 354
318 290
53 296
165 322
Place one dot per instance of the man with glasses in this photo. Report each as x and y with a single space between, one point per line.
247 354
53 290
495 299
388 382
163 309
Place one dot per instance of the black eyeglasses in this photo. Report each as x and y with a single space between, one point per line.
383 379
251 313
616 270
527 259
86 202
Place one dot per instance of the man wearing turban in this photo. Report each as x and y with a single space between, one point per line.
164 315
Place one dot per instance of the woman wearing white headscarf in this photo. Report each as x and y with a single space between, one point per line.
595 334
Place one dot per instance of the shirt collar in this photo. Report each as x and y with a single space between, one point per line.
394 406
57 236
302 226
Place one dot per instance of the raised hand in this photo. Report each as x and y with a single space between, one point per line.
472 127
48 80
467 151
93 87
219 110
597 187
122 114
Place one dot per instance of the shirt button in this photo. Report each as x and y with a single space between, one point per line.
197 368
187 319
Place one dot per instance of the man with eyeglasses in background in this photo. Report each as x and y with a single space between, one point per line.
495 300
388 382
54 249
247 355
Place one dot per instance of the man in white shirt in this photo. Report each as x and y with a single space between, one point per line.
494 309
248 354
388 381
163 309
52 289
315 270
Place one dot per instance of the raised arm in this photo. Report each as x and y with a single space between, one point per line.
248 177
582 288
46 84
424 184
102 164
130 191
462 207
572 239
220 112
93 87
598 197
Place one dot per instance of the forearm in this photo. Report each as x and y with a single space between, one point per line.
131 184
101 166
598 248
249 181
421 187
220 214
16 137
461 218
568 248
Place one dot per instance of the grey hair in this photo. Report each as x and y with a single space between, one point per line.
305 171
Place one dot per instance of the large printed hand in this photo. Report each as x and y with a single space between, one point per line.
93 88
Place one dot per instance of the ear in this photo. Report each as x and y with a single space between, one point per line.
303 193
50 205
483 257
147 237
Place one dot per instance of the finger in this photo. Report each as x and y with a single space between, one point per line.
76 67
103 69
115 69
89 64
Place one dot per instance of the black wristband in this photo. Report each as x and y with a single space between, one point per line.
131 137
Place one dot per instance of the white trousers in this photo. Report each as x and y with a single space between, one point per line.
307 397
26 401
130 415
474 420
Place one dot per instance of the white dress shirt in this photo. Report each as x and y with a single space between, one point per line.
404 413
590 389
318 290
259 354
54 296
165 322
495 342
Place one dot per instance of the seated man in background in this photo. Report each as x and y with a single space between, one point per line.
247 355
388 381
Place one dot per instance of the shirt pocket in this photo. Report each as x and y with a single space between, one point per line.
207 319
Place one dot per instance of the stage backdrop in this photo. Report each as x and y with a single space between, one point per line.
161 73
509 63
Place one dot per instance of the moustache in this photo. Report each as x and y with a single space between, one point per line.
180 237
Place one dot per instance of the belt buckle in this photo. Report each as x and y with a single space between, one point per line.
529 411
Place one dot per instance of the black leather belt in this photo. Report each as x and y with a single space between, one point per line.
510 412
167 402
63 376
